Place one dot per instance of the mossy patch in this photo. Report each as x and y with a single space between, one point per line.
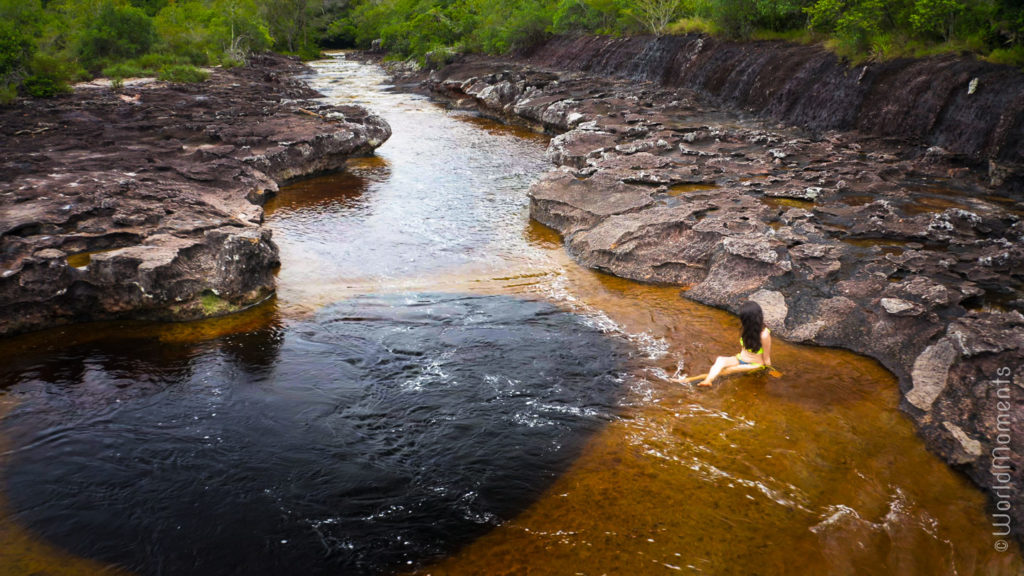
214 305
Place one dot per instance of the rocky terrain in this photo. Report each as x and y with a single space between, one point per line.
146 202
883 243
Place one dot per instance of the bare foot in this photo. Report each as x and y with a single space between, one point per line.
704 383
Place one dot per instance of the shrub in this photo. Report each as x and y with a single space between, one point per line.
936 17
1013 56
150 7
599 16
218 31
693 24
129 69
116 33
183 73
48 75
154 61
8 94
43 86
736 18
15 48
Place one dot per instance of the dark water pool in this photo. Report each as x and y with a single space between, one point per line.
385 431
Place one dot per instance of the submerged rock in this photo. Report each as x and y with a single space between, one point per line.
149 206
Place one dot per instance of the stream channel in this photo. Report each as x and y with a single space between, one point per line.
439 389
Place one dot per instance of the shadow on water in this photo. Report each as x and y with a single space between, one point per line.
386 431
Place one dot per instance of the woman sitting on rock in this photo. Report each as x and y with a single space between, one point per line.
755 346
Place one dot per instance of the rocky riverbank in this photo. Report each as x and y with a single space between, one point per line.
878 241
145 203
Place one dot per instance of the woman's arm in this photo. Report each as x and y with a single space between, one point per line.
766 343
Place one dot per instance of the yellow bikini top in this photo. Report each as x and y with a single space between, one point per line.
760 351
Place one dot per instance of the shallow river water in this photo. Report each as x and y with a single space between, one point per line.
439 389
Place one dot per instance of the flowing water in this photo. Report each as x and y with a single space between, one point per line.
439 389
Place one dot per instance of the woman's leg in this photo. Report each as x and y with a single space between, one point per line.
721 363
727 365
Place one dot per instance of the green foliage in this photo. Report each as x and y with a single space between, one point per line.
44 44
115 33
59 70
19 25
418 27
599 16
861 29
858 29
736 18
205 33
43 86
781 15
744 18
15 48
1013 56
860 23
694 24
655 15
8 94
150 7
936 17
510 25
292 25
152 63
123 70
182 73
823 15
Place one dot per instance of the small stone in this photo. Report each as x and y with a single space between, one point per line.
930 373
970 445
896 306
50 254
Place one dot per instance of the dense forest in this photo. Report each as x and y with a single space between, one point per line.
46 44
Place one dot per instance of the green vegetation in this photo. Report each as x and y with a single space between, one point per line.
46 44
182 73
855 29
213 305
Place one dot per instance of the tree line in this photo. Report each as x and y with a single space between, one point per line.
46 44
856 29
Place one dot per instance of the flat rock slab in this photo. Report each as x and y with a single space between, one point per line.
147 203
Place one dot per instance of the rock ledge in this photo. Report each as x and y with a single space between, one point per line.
147 204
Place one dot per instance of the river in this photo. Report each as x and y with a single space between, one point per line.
439 389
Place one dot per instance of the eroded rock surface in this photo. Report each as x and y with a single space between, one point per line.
886 246
147 204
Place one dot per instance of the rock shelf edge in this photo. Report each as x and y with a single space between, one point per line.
147 203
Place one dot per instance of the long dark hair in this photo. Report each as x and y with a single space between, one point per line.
753 322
